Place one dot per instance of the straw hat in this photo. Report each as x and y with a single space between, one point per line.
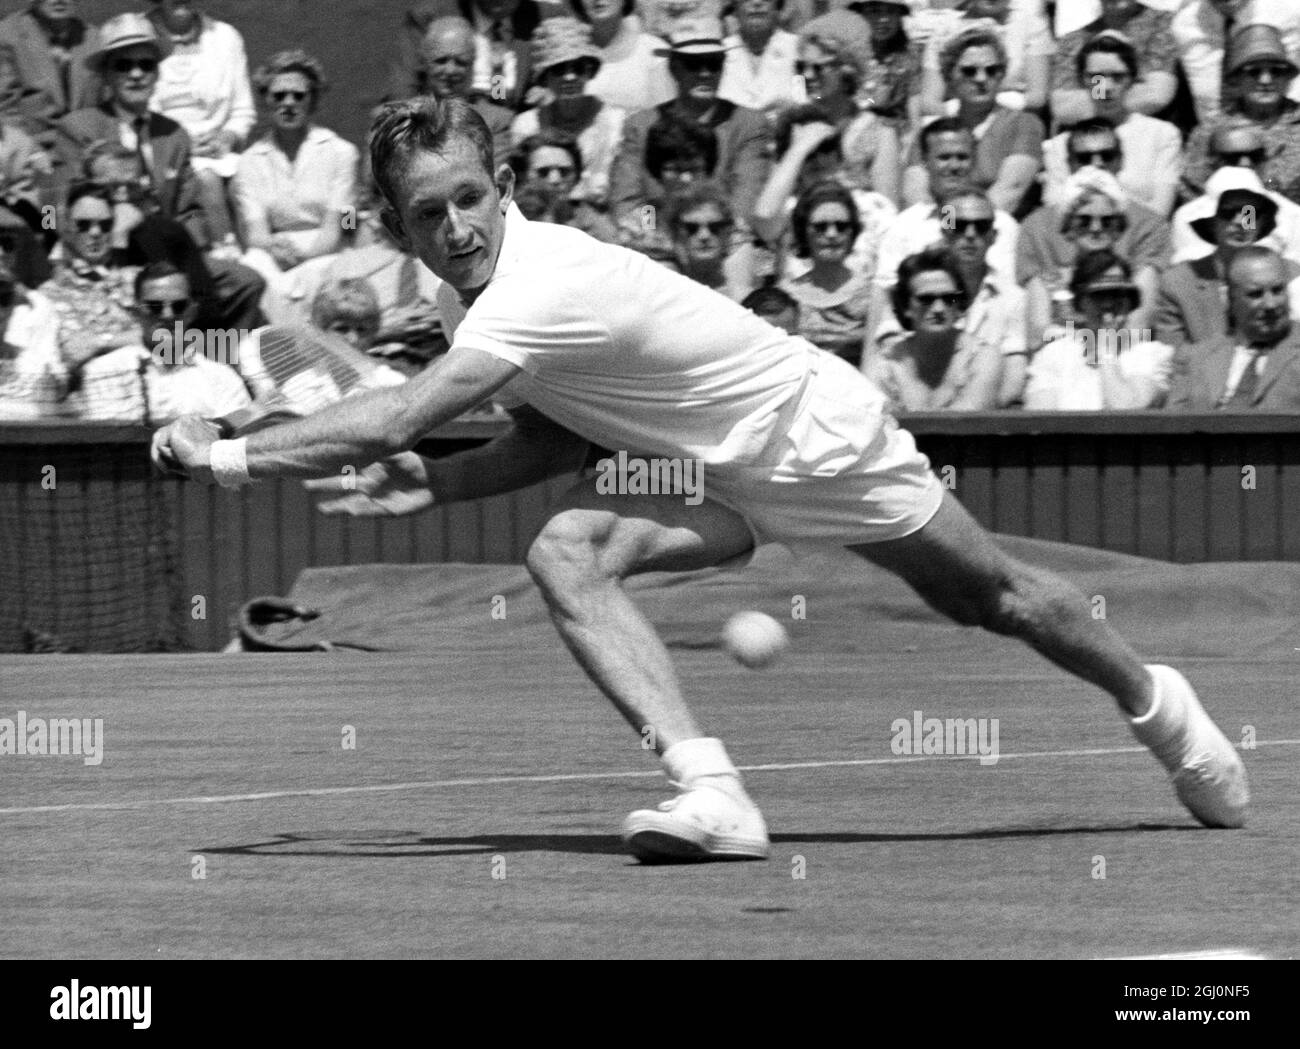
694 36
559 40
126 30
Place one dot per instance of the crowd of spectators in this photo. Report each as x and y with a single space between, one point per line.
982 204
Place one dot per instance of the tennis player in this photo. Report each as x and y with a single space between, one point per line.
597 344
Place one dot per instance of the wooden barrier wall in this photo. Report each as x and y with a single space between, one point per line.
1175 487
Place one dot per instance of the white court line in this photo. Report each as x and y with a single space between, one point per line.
1209 954
485 781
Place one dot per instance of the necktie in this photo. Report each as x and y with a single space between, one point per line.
1229 27
140 124
1244 394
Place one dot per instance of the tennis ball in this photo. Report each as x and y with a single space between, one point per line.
754 639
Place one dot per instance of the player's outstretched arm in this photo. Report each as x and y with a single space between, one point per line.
532 450
355 431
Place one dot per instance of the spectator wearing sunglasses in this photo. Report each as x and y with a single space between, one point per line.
701 224
564 62
1022 29
1150 84
160 374
759 70
936 366
948 153
834 300
1099 363
295 183
633 73
840 73
811 153
203 85
549 167
48 45
1093 215
91 291
968 227
33 375
1192 301
1147 158
128 56
1009 144
696 55
677 156
1237 153
1259 74
1204 30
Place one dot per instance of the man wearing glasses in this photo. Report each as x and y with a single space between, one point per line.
161 373
1152 159
696 55
128 57
1259 75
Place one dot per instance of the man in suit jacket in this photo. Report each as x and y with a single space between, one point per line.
127 58
47 46
128 55
1257 368
1192 298
695 59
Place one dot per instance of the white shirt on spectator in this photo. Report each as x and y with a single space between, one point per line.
274 196
1198 31
760 81
204 87
1061 379
631 75
114 388
1153 161
919 226
32 374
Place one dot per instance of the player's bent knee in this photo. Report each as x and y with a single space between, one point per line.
569 550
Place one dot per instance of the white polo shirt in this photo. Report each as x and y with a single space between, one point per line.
625 352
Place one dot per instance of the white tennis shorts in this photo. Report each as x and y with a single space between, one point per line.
840 471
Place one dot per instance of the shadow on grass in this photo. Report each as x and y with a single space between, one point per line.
399 844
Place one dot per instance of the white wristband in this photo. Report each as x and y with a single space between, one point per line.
229 462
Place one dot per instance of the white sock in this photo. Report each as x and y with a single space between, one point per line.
1163 728
692 758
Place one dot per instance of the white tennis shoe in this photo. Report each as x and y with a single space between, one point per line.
711 818
1208 773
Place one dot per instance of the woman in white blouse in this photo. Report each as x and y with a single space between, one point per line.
203 86
297 184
